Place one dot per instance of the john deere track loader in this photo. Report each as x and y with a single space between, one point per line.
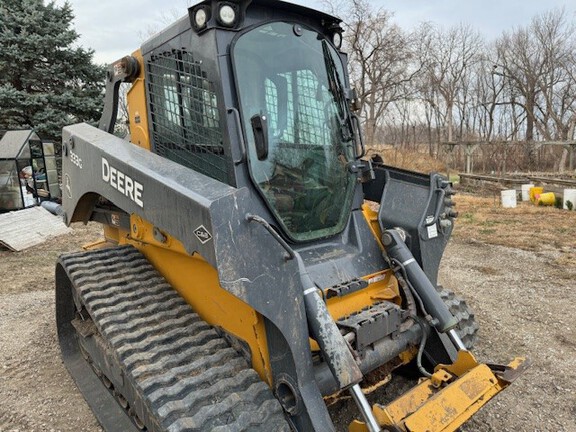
254 261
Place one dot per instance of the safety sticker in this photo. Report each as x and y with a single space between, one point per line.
376 278
203 234
432 230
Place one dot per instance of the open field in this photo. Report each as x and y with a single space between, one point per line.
527 227
516 268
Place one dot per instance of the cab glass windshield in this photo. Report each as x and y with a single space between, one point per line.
298 131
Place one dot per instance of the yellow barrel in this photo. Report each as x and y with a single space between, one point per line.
547 199
535 193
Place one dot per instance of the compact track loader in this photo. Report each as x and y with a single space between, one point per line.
254 261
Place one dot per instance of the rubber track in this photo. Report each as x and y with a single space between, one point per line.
467 327
187 376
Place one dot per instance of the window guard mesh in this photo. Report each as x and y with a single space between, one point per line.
184 110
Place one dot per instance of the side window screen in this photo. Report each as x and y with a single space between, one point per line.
184 109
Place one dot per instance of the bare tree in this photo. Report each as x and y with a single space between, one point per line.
520 63
432 85
380 60
165 18
450 56
538 63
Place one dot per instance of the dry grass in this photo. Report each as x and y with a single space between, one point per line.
410 160
527 227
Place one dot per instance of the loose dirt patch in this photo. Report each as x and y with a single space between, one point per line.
519 279
36 392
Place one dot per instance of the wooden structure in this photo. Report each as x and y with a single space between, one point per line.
471 146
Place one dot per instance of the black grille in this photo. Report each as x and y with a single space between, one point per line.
185 119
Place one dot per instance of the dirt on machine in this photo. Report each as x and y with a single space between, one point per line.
254 261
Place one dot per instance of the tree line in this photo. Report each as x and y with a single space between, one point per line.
431 86
419 88
46 80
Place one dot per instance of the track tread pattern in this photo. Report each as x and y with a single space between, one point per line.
185 373
467 327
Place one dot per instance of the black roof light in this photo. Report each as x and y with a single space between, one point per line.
337 39
227 14
334 29
200 16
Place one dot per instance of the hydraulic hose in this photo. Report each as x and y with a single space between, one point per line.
425 330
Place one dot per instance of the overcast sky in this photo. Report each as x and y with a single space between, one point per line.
114 28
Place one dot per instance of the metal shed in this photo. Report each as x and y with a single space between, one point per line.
28 171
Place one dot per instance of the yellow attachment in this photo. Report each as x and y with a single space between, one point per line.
138 113
443 402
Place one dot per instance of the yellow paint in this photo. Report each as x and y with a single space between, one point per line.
98 244
435 405
465 361
113 234
372 218
197 282
111 238
384 287
357 426
408 355
443 402
449 409
137 107
518 362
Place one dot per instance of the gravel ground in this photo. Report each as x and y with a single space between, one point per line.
524 301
